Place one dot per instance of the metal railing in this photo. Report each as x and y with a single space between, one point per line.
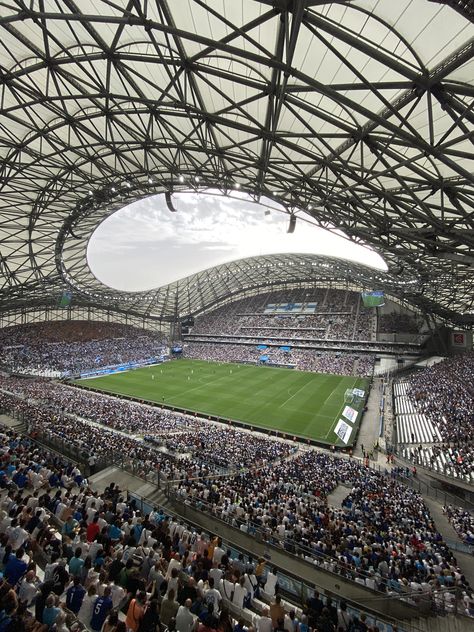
322 561
429 490
298 590
112 458
450 478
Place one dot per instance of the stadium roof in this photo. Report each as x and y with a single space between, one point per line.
358 113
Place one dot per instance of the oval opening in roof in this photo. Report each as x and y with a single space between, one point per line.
144 245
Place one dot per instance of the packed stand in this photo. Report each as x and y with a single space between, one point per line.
364 327
66 348
75 559
189 441
382 536
305 343
242 449
456 461
104 446
443 396
324 314
462 521
302 359
443 392
397 322
238 353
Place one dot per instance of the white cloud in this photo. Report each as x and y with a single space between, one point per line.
144 245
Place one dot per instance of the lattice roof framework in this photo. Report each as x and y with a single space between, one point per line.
357 113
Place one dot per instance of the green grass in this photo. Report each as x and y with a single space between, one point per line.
295 402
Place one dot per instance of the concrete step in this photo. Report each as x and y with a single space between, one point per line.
158 497
123 480
11 422
449 623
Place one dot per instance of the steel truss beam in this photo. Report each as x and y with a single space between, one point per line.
128 94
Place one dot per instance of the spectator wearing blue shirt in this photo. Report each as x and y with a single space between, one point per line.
102 607
51 611
76 563
54 480
6 616
75 595
15 567
115 533
69 527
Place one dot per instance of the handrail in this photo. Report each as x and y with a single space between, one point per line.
299 588
452 480
291 548
304 588
433 491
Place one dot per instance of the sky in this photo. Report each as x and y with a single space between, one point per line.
143 245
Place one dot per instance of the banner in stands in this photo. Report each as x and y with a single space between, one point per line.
343 430
106 370
290 308
350 413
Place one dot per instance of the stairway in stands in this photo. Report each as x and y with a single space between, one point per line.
127 483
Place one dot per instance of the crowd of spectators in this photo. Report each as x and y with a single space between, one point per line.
364 328
441 397
301 359
70 347
238 353
444 393
335 317
65 331
456 460
462 521
338 329
313 343
201 439
105 446
189 442
383 535
365 365
396 322
73 559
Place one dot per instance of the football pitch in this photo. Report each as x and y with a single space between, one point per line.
294 402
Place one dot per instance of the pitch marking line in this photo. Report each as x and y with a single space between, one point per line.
295 393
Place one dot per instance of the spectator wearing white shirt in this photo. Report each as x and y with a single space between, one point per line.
240 592
213 596
28 589
184 618
270 584
263 623
226 587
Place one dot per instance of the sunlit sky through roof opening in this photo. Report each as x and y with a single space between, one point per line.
143 245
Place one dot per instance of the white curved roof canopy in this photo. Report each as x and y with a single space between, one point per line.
357 113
